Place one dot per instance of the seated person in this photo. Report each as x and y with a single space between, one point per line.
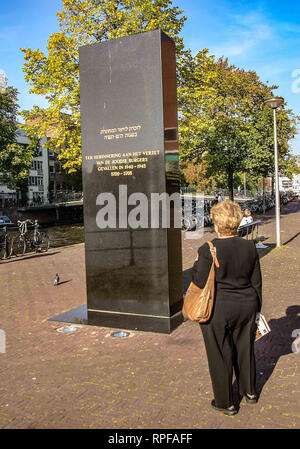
246 218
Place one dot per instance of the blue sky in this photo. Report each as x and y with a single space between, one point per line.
259 35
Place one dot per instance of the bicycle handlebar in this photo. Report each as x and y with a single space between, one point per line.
25 221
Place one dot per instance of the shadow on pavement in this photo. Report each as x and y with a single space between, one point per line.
25 257
277 343
64 282
270 348
290 208
263 252
292 238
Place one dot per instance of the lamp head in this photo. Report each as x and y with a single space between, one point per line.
274 102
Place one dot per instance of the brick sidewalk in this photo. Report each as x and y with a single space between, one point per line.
87 379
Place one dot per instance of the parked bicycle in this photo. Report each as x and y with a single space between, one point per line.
197 219
40 241
260 204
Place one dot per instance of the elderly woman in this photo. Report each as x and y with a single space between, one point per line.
229 335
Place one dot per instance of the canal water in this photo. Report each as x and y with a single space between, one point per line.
64 235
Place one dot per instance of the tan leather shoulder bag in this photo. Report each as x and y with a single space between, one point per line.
198 302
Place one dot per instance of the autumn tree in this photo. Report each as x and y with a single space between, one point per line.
230 126
8 113
55 74
260 157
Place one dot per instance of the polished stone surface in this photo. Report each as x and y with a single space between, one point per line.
77 315
129 138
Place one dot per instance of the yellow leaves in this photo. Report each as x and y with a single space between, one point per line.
56 75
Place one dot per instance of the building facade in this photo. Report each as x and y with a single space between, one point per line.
38 177
287 184
45 178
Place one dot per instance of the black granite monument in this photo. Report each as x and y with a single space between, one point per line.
130 152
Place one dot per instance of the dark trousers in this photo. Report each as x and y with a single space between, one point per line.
229 340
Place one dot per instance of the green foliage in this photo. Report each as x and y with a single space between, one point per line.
15 162
224 121
224 127
73 180
289 167
260 157
15 159
56 74
8 112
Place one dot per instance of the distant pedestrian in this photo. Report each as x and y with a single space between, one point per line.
229 335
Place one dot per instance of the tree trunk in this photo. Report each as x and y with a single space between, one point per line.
230 184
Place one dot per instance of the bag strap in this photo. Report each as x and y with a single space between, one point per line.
213 252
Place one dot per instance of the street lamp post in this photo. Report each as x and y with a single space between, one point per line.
274 103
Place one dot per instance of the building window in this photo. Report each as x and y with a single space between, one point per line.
37 165
33 180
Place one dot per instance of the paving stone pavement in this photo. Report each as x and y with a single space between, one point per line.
87 379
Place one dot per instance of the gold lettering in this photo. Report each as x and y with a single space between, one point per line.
119 161
138 159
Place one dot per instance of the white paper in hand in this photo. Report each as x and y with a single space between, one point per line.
262 326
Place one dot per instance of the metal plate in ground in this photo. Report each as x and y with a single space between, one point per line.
67 329
120 334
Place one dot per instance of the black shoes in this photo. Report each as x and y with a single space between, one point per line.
251 400
226 411
234 411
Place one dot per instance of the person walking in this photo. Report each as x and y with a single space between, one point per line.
229 335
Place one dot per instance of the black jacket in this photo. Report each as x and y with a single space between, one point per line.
239 274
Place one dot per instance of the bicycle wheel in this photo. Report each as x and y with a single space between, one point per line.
43 243
187 224
18 246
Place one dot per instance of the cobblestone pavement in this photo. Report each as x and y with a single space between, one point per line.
88 379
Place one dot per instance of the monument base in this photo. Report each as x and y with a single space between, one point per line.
138 322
